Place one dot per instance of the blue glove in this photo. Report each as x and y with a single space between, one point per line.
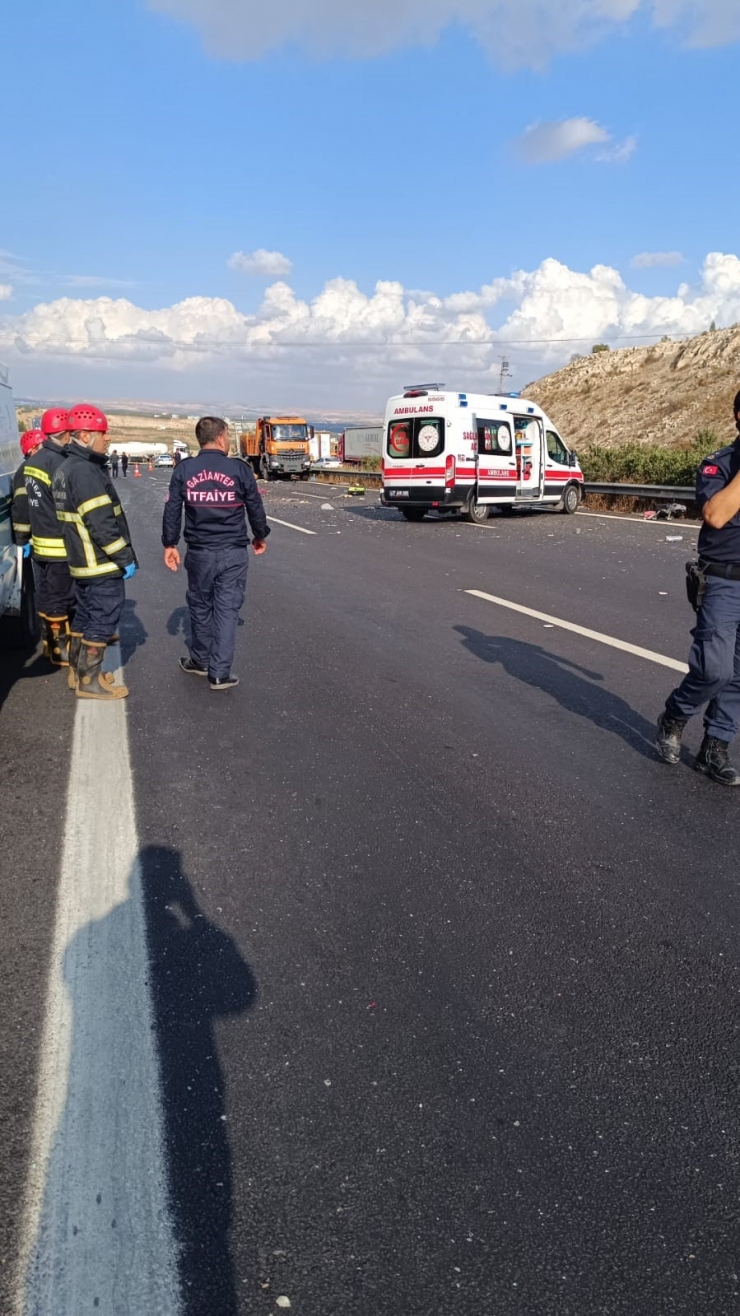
26 550
129 571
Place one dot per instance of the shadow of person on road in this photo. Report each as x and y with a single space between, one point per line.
574 687
132 631
19 665
178 623
198 977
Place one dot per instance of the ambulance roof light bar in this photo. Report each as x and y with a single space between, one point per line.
418 390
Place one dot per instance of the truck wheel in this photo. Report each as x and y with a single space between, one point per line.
476 513
305 475
23 631
265 470
571 500
414 513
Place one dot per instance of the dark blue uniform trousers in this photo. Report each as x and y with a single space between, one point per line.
714 663
217 580
99 607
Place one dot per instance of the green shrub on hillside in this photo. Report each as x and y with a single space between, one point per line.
634 463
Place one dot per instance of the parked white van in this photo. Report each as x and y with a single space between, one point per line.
19 627
471 452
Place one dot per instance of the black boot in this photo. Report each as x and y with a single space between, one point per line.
56 640
75 640
668 739
92 681
713 760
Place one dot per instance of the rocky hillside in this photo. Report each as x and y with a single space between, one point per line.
660 395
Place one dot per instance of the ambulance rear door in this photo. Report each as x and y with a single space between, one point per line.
414 469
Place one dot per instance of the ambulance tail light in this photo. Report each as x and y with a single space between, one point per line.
450 472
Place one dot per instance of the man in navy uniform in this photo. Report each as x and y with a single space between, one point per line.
714 661
216 491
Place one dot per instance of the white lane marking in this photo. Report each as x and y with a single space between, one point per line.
290 526
640 520
318 497
98 1231
635 649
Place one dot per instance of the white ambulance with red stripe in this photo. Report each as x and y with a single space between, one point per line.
469 452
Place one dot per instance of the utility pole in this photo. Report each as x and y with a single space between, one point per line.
504 373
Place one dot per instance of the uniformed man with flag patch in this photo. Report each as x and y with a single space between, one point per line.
714 662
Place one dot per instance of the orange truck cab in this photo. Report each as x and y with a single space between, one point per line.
278 447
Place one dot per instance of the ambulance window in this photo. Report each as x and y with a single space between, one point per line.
556 449
420 436
494 436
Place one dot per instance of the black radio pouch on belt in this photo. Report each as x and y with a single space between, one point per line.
696 584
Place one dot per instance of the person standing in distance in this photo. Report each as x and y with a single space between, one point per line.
124 464
114 464
216 491
714 662
99 550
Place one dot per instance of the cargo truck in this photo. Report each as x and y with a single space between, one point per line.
278 447
358 443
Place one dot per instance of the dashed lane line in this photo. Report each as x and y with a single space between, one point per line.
97 1226
660 658
301 529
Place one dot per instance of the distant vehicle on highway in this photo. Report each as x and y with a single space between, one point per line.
138 452
469 452
165 459
323 463
358 443
278 447
19 625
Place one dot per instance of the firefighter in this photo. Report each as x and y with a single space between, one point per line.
54 588
99 550
19 514
216 492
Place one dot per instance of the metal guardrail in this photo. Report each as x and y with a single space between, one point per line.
642 490
374 480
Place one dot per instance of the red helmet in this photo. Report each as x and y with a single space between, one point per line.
84 416
54 421
30 440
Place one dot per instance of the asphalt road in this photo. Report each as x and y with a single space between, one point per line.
444 963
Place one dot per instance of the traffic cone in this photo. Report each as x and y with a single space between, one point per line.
137 470
151 465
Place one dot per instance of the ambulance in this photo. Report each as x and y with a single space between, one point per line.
469 452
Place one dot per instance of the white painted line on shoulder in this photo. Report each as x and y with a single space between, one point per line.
290 526
610 640
97 1221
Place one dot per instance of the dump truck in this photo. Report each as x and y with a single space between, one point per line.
278 447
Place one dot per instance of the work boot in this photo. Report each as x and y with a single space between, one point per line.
668 739
92 681
56 640
713 760
75 640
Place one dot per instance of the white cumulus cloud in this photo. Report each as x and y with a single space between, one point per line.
270 264
6 291
620 153
525 32
543 143
346 343
649 260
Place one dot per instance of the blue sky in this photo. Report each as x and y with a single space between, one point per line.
145 145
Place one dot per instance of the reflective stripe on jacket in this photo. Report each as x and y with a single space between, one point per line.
96 533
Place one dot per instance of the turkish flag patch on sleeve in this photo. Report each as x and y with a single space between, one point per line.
710 470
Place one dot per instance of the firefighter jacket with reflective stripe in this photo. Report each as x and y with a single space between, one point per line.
96 533
19 513
38 473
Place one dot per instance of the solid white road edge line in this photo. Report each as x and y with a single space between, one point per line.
290 526
635 649
97 1229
